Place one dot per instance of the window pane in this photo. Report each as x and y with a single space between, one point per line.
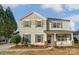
59 25
38 23
53 25
58 39
56 25
27 37
38 38
61 37
27 23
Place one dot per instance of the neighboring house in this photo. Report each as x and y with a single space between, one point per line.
3 39
39 30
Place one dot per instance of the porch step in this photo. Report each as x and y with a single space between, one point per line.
49 48
49 45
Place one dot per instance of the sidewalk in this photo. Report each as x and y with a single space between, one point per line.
6 46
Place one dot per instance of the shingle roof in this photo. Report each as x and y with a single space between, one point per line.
58 19
76 32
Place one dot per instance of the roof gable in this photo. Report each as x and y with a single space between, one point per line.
33 15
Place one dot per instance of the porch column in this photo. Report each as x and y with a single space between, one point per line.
54 36
72 38
68 37
54 39
45 37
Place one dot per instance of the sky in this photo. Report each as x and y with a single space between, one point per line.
63 11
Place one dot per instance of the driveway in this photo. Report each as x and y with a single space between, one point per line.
5 46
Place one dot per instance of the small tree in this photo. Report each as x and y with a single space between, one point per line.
16 39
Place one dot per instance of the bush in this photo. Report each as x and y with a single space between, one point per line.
15 39
75 40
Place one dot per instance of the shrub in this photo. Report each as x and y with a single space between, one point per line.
16 39
75 40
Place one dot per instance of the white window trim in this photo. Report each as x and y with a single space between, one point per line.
65 38
26 26
38 21
41 38
29 38
52 26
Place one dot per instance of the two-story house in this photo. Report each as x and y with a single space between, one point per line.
39 30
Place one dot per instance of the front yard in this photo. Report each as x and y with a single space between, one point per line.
32 51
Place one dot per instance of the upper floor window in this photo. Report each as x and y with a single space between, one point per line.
39 24
56 25
26 24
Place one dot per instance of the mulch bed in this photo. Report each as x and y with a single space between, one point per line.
26 46
41 47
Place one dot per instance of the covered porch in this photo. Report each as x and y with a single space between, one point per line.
59 38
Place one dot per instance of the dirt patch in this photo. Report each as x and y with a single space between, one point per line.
35 50
53 51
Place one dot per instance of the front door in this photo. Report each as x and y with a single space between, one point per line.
49 39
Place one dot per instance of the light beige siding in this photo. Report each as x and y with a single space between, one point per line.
65 25
33 29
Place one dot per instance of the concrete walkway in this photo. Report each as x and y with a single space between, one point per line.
5 46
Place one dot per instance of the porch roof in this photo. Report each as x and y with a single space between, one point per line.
58 31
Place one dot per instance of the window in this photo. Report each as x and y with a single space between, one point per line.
26 24
58 38
38 38
56 25
69 37
27 38
59 25
38 23
61 37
